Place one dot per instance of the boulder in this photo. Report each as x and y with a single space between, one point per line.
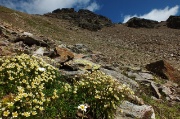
135 111
173 22
121 78
63 54
145 78
164 69
31 40
141 23
81 64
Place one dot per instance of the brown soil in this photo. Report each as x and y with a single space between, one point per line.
119 44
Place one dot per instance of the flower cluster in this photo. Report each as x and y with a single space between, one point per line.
101 91
23 81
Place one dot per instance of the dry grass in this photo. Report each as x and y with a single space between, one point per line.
119 43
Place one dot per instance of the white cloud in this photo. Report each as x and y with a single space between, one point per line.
93 6
44 6
156 14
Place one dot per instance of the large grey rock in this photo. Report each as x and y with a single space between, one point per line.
144 78
135 111
135 76
122 78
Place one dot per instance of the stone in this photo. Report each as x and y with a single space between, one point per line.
31 40
146 76
121 78
135 76
173 22
27 34
82 64
64 54
146 82
141 23
156 90
135 111
134 69
166 90
164 69
78 56
72 73
39 51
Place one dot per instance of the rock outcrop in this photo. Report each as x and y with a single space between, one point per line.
164 70
173 22
141 23
137 111
83 18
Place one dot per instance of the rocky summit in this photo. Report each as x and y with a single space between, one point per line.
141 23
141 54
83 18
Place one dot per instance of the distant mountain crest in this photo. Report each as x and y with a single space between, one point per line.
83 18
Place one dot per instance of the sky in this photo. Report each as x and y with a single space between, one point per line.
116 10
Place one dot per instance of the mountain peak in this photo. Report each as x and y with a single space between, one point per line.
83 18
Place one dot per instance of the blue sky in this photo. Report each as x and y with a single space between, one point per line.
116 10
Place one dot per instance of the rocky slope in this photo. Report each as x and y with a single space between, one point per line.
120 51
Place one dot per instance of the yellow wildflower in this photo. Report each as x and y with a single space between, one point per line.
41 108
6 113
26 114
14 114
10 104
34 112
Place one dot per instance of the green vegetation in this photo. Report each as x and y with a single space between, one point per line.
31 88
163 109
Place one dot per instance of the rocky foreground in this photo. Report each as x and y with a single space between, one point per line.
157 80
